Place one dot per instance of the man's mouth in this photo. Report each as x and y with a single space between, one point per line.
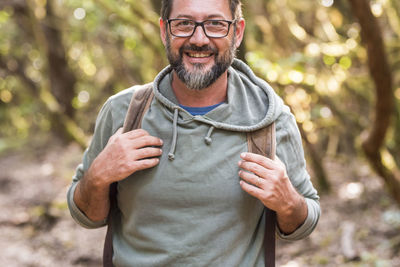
199 55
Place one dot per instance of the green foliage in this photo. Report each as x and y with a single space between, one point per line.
313 56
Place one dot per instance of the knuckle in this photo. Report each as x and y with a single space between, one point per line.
264 197
124 168
112 138
244 165
143 164
117 138
275 178
153 141
264 161
122 150
281 173
148 140
141 131
138 154
126 165
150 152
246 176
258 168
250 166
148 163
137 164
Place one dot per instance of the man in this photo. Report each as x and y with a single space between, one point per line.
189 193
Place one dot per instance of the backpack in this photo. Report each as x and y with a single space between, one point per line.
262 142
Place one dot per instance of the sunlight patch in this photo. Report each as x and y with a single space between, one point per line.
291 264
351 191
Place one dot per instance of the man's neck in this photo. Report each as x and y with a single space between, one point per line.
212 95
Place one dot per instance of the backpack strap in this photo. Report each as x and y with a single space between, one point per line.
263 142
140 103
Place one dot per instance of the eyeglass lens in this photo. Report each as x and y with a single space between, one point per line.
212 28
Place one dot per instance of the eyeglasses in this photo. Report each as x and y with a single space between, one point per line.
213 28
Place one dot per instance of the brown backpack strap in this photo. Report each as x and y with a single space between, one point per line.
140 103
263 142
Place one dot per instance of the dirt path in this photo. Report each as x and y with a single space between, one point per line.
37 230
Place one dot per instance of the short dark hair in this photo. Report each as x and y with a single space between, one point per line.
234 5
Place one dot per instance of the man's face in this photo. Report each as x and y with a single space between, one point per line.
198 60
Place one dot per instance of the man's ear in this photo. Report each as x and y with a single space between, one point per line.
240 26
163 29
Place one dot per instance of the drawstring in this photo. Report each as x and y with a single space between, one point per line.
207 138
171 154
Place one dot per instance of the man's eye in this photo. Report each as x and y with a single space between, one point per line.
217 23
184 23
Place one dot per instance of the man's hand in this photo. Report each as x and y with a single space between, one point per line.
124 154
267 180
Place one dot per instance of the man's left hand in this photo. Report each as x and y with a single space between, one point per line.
267 180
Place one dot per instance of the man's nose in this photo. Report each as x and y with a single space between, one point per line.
199 38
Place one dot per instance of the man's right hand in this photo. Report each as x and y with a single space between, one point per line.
124 154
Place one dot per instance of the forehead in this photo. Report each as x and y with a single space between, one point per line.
201 9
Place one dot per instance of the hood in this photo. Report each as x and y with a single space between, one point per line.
251 103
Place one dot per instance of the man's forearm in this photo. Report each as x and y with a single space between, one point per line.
92 199
294 216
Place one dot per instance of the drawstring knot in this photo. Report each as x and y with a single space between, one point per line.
207 138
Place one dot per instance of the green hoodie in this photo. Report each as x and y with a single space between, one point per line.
190 210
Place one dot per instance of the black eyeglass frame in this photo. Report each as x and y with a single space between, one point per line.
196 24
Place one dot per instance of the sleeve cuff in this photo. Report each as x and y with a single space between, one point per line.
78 215
307 227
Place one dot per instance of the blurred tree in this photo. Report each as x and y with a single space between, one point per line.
39 27
384 108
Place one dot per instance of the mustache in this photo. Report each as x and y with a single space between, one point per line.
195 48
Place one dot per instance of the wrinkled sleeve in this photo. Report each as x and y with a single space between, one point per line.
103 131
290 151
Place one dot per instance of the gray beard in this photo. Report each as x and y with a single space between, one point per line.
199 79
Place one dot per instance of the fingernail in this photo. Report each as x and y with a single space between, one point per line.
243 155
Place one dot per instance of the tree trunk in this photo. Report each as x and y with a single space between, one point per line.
62 79
316 162
381 74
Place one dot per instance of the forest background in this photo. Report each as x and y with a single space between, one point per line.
335 63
